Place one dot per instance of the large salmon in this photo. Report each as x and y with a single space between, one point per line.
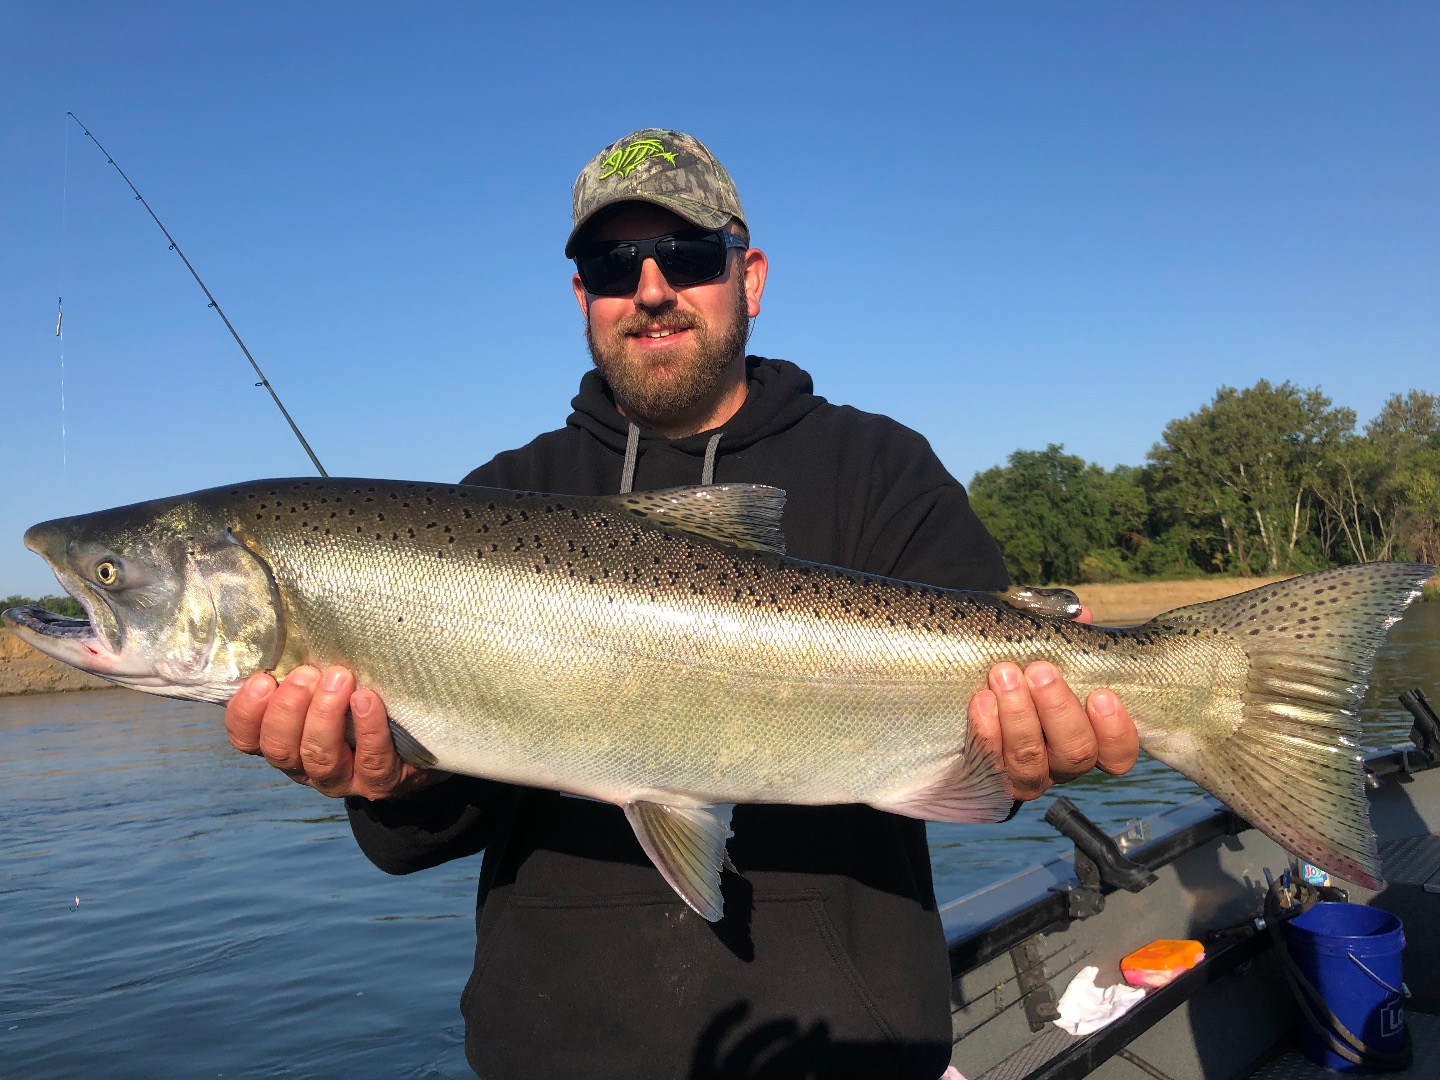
657 651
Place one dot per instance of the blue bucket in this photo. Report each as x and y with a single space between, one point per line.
1351 955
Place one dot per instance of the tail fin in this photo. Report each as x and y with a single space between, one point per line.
1292 765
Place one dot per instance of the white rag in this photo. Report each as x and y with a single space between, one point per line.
1085 1007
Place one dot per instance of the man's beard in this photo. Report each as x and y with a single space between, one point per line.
649 393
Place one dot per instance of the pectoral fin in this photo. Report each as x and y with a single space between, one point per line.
687 846
971 787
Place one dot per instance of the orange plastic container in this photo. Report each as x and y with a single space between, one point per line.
1160 961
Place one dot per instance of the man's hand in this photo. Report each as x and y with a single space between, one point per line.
299 727
1044 734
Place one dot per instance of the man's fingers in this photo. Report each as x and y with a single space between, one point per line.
246 710
1022 740
285 720
324 753
378 768
1069 737
1118 743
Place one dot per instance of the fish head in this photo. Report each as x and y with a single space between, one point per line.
176 603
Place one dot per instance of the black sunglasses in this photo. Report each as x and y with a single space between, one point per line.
612 267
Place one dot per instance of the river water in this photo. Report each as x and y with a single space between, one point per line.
170 908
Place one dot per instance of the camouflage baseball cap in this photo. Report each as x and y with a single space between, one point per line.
667 168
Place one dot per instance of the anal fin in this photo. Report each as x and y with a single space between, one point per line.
411 748
687 846
973 787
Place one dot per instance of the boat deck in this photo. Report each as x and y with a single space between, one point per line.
1232 1017
1293 1065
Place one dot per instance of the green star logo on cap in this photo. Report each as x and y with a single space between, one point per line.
623 161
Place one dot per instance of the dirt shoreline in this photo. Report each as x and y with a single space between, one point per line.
24 671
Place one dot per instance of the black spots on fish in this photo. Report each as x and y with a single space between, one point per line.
490 506
638 512
574 514
379 517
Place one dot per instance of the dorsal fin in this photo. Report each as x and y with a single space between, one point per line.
741 515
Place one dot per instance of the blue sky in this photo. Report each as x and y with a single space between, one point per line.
1005 224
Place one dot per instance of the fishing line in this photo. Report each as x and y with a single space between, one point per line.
60 301
213 302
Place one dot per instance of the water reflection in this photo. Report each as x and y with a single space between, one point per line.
226 923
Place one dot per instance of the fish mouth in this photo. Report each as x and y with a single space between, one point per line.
72 641
39 620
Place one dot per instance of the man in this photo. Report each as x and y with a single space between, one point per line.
829 960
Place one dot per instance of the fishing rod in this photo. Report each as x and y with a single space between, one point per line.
213 302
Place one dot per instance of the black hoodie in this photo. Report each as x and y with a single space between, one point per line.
830 961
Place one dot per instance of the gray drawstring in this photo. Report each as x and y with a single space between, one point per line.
632 451
707 474
632 448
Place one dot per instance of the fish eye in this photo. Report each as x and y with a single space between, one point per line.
107 573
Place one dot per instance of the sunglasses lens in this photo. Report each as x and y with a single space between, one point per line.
691 260
613 269
610 270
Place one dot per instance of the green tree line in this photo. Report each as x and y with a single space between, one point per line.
1268 480
61 605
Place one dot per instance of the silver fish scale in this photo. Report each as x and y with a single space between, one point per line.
560 641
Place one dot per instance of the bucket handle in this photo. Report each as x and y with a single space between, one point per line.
1404 990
